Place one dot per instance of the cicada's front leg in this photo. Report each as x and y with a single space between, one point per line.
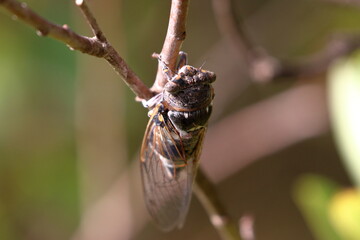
182 60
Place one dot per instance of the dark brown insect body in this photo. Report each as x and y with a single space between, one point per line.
172 143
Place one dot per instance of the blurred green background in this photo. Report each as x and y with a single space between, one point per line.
52 100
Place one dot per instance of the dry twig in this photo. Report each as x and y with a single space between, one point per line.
206 193
246 226
175 36
263 67
91 20
337 47
233 29
96 46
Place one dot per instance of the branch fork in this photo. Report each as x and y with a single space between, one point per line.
97 46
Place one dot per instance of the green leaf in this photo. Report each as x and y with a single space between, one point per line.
344 212
312 194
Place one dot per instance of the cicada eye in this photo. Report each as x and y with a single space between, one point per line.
187 70
212 77
171 87
207 76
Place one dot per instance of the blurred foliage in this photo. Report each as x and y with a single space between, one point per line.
345 213
332 212
38 191
313 195
344 99
39 194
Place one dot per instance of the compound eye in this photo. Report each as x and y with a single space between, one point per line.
171 87
207 76
187 70
211 76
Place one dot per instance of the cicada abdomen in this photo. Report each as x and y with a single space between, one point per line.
172 143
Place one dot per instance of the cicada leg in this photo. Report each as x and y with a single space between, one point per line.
182 60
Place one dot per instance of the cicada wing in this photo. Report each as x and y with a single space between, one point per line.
197 150
167 176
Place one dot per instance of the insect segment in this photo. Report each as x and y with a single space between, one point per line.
172 143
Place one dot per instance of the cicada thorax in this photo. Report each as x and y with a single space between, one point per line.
188 97
187 100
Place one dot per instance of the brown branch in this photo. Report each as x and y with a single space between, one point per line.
246 226
337 47
175 36
96 46
91 20
262 66
233 29
206 193
61 33
266 127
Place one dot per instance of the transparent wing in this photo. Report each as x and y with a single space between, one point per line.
166 174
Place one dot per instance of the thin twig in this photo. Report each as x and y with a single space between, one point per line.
263 67
246 226
46 28
91 20
92 46
175 36
337 47
233 29
205 192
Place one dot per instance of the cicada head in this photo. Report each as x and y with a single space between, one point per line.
190 89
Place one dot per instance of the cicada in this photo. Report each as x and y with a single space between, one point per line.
173 140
